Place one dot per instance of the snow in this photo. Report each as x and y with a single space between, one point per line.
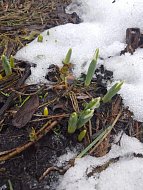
129 68
125 174
104 25
54 47
71 154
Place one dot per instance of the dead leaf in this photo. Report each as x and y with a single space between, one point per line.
82 96
59 106
24 114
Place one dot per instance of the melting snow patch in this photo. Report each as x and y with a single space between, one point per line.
66 157
125 174
104 25
130 69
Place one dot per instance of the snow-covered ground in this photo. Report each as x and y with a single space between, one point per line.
104 26
125 174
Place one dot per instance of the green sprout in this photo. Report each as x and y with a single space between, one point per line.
78 120
33 135
112 92
11 60
82 135
68 57
1 77
84 117
94 103
40 38
102 134
10 185
6 65
91 69
72 124
46 111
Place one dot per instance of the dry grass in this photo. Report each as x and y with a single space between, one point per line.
19 19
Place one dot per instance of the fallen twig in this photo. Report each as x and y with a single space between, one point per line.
61 170
99 169
6 155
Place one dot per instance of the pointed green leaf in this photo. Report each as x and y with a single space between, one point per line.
6 65
40 38
112 91
68 57
11 60
72 124
94 103
82 135
84 117
91 69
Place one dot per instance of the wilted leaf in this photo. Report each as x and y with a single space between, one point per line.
24 114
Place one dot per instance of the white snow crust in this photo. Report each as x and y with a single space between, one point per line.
125 174
130 69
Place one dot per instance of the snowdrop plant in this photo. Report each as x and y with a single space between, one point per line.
112 91
11 60
40 38
84 117
72 123
82 135
46 111
68 57
78 120
94 103
91 68
6 65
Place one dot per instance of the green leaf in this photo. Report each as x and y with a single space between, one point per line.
11 60
40 38
68 57
94 103
32 135
46 111
100 137
10 185
112 91
31 36
1 77
82 135
72 123
84 117
91 69
6 65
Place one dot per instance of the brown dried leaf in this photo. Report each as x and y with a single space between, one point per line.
83 96
24 114
59 106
